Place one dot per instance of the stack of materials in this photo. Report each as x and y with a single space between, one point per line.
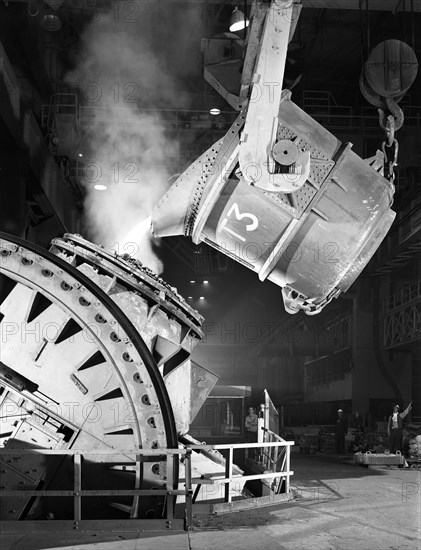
415 448
379 458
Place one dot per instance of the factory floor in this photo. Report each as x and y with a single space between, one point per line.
338 505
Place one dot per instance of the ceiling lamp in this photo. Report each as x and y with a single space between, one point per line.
50 21
100 187
215 111
238 20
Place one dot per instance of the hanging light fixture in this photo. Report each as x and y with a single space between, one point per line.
50 21
215 111
238 20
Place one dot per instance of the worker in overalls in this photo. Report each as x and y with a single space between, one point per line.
395 426
341 429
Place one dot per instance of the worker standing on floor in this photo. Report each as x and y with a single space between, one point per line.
251 430
341 428
394 428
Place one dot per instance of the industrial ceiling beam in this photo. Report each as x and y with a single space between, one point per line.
373 5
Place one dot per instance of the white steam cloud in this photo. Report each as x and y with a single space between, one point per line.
126 148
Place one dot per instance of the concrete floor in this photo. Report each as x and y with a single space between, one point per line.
338 505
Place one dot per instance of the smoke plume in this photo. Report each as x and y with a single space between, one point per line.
123 76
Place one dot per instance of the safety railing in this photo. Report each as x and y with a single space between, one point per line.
60 104
271 457
283 474
313 98
403 298
271 450
402 316
169 492
172 118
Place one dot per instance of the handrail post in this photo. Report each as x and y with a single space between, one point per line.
170 486
189 489
288 449
77 483
228 474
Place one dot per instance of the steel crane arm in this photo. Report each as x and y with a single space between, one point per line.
258 154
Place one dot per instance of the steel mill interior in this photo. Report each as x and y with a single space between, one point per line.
210 274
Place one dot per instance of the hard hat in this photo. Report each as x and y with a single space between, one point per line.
340 411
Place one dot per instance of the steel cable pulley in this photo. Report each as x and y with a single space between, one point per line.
387 75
